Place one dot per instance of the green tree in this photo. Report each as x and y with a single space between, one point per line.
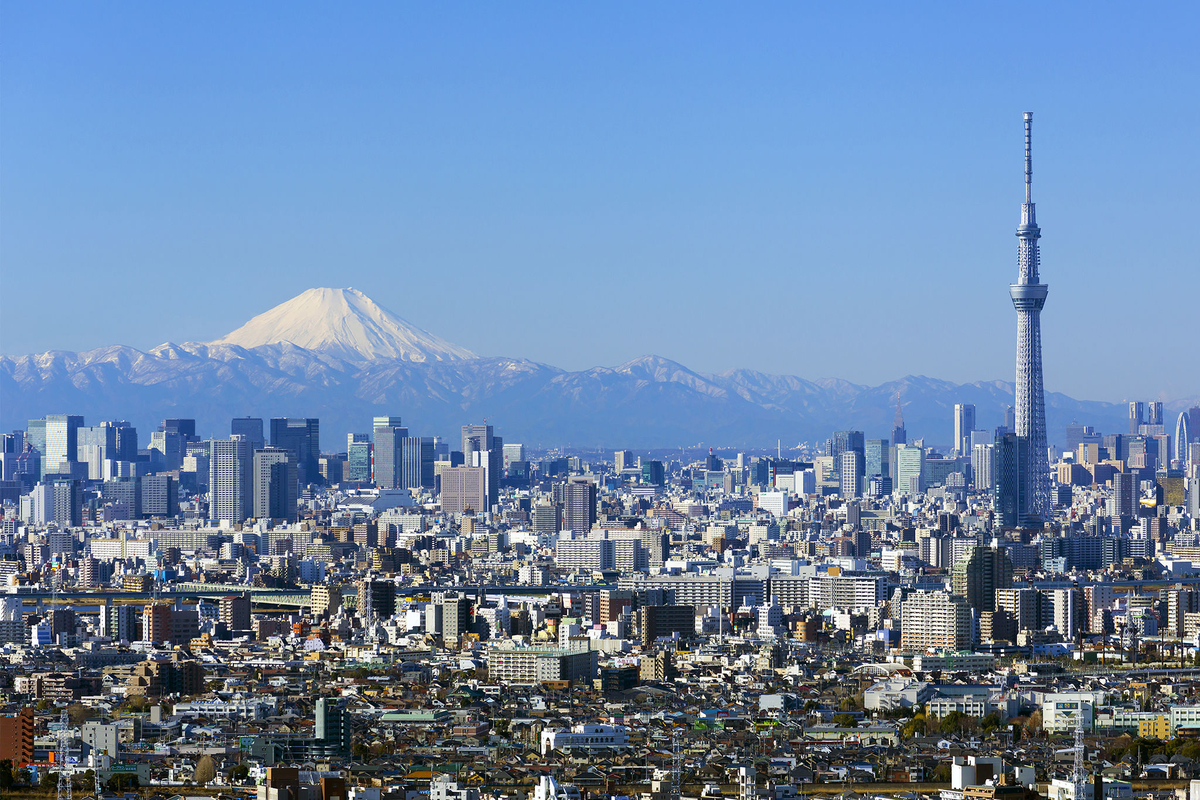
991 722
49 779
845 720
122 781
951 723
6 774
238 773
914 726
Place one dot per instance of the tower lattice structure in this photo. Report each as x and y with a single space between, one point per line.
1029 296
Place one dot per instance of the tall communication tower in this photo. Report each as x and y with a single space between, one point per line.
676 764
64 745
1028 296
1079 776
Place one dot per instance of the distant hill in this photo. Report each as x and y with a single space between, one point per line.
336 355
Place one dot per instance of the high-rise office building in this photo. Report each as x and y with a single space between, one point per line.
1029 296
1154 413
276 484
96 445
1080 434
230 479
877 454
482 449
127 440
35 437
1137 416
1009 457
358 457
303 437
844 441
1182 438
416 462
170 447
910 469
158 496
964 423
899 435
388 453
512 454
252 429
1125 495
464 489
62 442
184 427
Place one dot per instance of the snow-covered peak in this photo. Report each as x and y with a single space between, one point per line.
347 324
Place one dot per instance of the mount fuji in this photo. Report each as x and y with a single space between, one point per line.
346 324
337 355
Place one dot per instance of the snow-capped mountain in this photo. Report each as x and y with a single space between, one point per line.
346 324
336 355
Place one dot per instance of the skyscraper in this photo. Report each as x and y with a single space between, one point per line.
230 492
849 441
877 455
358 457
910 469
276 484
62 440
1029 296
416 462
388 453
850 469
1009 464
979 574
252 429
1137 415
899 435
1182 435
1154 413
982 472
580 505
303 437
482 449
964 423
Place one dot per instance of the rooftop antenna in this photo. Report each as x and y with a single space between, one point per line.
1028 157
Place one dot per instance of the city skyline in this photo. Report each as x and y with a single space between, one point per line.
617 223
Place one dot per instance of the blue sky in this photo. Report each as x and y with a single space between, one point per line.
823 190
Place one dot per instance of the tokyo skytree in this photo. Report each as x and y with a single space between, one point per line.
1028 296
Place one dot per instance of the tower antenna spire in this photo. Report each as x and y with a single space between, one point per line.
1028 156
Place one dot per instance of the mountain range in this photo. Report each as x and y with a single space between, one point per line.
337 355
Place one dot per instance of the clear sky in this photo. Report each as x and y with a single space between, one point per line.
798 188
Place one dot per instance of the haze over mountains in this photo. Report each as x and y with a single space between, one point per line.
337 355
